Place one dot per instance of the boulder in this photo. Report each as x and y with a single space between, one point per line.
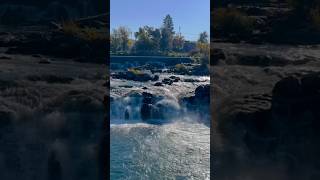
167 81
158 84
135 76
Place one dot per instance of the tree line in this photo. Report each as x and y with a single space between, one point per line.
156 41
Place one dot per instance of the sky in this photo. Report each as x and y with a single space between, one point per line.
193 16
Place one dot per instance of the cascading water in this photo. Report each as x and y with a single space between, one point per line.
160 140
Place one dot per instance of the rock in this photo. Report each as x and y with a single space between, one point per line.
289 116
148 109
5 57
286 88
45 61
203 91
126 86
175 78
135 76
126 115
158 84
201 96
217 56
191 80
167 81
54 168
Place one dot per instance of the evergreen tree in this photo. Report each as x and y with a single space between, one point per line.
167 33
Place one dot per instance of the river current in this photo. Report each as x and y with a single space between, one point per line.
177 147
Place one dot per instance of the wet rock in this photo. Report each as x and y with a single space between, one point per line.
158 84
126 86
191 80
289 116
45 61
54 168
5 57
167 81
201 96
175 78
148 109
50 79
126 114
217 56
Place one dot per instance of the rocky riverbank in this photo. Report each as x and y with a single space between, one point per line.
265 111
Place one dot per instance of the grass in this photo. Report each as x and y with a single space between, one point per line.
232 21
85 33
135 71
315 17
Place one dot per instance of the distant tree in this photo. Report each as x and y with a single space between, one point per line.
156 38
203 47
177 43
124 34
120 39
114 41
147 40
203 37
167 33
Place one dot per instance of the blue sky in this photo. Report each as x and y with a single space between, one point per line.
193 16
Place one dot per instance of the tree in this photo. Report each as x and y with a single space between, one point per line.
203 37
148 39
124 34
114 41
120 39
177 43
167 33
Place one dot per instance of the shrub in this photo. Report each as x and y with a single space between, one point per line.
85 33
231 21
180 68
315 17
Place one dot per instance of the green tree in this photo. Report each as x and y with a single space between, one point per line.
203 37
167 33
119 39
124 34
147 40
114 41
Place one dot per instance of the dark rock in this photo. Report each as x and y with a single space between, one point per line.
201 96
175 78
191 80
50 79
126 86
203 91
126 115
54 168
167 81
287 87
45 61
218 55
5 57
158 84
